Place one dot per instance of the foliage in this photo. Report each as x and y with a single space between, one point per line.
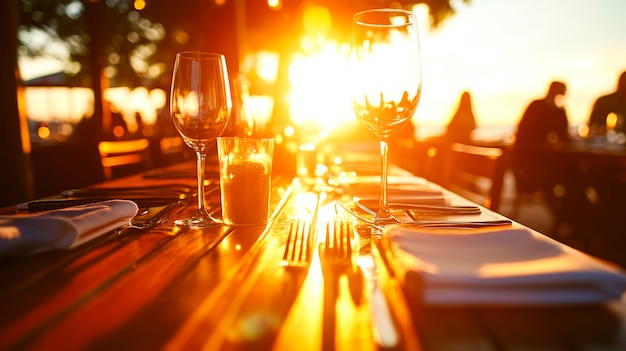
137 46
129 38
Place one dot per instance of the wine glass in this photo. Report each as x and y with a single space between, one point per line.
385 79
200 105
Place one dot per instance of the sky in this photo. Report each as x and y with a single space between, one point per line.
506 52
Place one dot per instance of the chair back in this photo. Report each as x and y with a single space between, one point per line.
124 157
476 173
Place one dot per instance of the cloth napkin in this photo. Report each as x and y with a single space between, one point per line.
512 266
402 189
63 228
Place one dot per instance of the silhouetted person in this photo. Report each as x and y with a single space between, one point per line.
463 122
543 127
612 103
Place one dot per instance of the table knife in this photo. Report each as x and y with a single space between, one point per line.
57 203
382 324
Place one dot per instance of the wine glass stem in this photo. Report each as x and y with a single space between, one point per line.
383 206
200 162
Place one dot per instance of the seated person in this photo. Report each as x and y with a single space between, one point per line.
543 127
463 122
605 105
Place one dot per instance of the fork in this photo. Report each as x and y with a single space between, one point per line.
337 254
337 248
299 247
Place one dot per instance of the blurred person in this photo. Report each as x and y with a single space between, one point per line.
607 104
463 122
543 127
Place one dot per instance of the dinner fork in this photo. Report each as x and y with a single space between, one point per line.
299 247
337 248
337 254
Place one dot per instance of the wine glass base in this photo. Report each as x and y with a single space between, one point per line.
198 222
382 222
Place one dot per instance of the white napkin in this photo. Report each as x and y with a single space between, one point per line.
399 189
63 228
499 267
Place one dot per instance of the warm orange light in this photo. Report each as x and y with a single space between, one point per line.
259 108
275 4
265 65
318 94
289 131
583 130
432 152
180 36
188 104
58 103
139 5
611 121
43 131
118 131
140 101
171 144
316 20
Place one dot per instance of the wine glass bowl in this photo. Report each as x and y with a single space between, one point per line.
385 79
200 107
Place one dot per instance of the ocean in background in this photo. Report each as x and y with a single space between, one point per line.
491 133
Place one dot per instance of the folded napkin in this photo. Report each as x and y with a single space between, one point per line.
499 267
63 228
403 189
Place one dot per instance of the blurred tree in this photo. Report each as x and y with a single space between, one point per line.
140 38
66 30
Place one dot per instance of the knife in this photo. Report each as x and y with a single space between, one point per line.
458 224
161 190
57 203
383 327
455 209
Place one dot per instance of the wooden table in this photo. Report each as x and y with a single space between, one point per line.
223 288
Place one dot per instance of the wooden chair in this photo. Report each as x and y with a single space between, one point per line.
475 172
124 157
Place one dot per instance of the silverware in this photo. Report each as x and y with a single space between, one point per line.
373 213
337 254
300 245
443 209
359 217
63 202
173 190
457 224
441 224
148 218
337 248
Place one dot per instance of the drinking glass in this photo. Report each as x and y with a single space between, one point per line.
200 105
385 79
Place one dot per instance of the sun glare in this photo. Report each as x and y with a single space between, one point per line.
318 94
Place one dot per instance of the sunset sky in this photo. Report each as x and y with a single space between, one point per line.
506 52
